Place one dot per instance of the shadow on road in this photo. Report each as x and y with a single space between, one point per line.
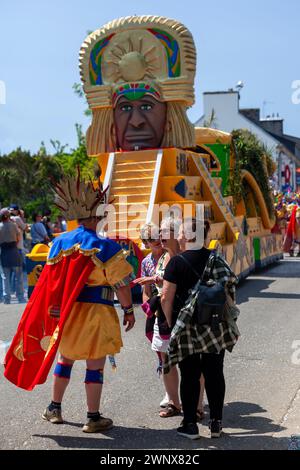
239 415
249 434
288 268
254 288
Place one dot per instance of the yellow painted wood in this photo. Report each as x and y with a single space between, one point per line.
169 183
206 135
133 176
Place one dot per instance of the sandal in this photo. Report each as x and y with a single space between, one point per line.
169 411
200 415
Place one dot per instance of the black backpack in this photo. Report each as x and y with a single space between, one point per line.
210 295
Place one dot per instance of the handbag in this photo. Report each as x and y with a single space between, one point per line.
210 298
10 255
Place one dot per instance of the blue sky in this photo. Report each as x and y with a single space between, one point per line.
255 41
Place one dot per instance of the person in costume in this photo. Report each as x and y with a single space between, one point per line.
292 237
71 309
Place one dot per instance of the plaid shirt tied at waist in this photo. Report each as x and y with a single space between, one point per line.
188 338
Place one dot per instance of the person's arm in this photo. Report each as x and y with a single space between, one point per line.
119 274
17 232
146 293
21 224
167 299
169 288
124 296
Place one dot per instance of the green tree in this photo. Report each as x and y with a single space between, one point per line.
255 157
25 179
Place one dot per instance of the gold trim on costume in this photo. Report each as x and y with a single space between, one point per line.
100 264
91 253
18 350
52 340
70 251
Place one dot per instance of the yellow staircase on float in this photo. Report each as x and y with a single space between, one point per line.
138 180
216 195
130 177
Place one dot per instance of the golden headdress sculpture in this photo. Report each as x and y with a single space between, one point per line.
78 199
134 56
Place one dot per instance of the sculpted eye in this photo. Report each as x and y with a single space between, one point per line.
146 107
126 107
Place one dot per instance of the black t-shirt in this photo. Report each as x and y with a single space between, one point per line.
178 272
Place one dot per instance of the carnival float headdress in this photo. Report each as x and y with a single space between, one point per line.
78 199
134 56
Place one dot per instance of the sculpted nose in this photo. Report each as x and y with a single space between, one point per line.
136 118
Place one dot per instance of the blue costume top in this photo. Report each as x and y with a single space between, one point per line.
88 240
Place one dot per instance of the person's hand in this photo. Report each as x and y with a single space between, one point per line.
129 321
144 281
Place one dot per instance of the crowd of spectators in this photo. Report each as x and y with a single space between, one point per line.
17 238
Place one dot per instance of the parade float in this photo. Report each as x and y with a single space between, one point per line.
150 61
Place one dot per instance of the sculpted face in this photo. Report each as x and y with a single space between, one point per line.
140 124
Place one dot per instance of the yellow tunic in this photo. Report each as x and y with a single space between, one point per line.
92 330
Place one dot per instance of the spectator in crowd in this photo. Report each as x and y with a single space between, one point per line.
17 216
48 224
11 259
1 283
197 348
38 231
160 332
62 224
150 239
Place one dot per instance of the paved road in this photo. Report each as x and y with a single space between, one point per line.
263 385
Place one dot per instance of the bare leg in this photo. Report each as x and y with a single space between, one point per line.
171 382
201 395
60 383
94 390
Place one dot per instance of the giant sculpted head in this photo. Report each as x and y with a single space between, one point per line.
138 77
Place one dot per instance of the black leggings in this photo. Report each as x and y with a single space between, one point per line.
191 368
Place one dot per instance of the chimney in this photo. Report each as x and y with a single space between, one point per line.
272 124
253 114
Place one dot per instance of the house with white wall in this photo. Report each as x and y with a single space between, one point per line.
224 107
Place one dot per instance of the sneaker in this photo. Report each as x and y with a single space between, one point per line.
215 427
165 401
102 424
189 430
53 416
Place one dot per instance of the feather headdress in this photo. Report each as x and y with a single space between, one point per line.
78 199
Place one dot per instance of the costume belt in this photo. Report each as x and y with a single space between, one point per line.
97 295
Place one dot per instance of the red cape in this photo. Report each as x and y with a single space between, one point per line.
291 232
35 344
